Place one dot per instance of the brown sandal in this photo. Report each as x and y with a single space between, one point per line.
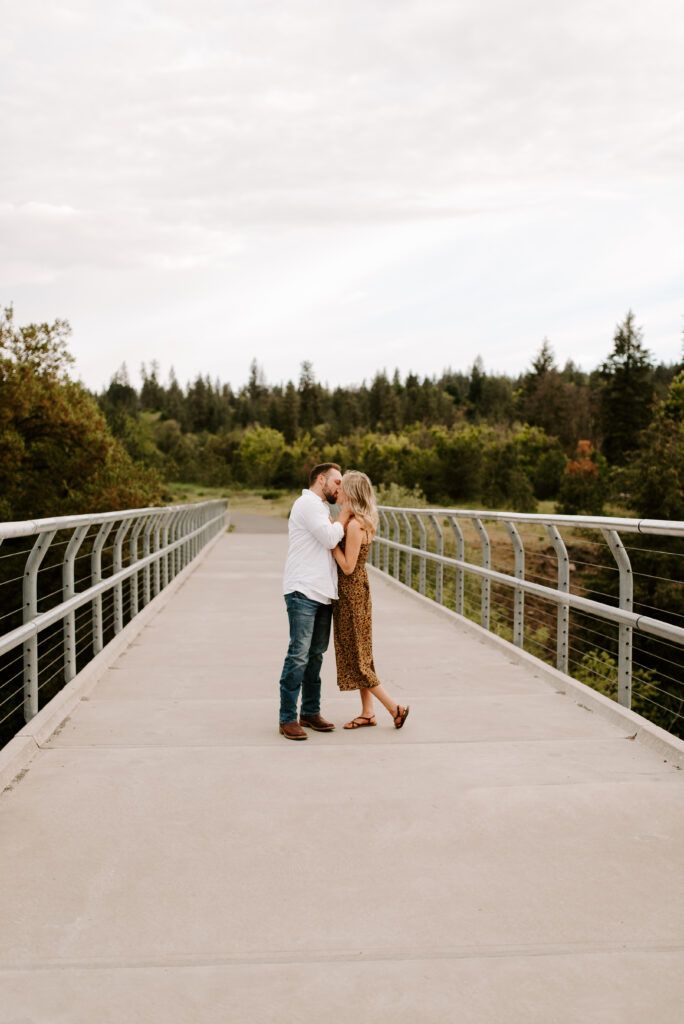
401 716
361 722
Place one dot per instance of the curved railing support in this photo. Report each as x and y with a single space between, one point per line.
460 555
68 591
486 564
624 632
439 568
30 591
396 531
519 593
408 568
563 586
171 536
561 596
422 544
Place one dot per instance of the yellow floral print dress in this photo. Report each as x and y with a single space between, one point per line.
353 627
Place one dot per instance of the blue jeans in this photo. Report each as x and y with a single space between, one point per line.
309 637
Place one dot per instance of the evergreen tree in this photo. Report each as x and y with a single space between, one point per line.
309 411
475 388
175 406
627 394
290 413
655 475
384 405
120 398
152 393
553 401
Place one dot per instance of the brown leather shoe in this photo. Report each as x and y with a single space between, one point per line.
316 722
292 731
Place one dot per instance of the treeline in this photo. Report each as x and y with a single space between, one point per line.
563 434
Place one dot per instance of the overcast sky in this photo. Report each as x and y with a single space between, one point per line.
359 183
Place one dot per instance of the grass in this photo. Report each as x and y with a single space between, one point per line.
271 502
268 502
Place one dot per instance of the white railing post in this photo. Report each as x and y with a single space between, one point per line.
518 593
422 543
134 580
96 577
439 568
460 555
30 594
147 550
117 565
624 694
486 564
68 590
385 533
156 546
396 532
563 586
408 567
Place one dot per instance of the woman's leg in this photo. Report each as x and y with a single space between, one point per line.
366 702
381 694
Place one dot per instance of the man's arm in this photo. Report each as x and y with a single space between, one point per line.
318 523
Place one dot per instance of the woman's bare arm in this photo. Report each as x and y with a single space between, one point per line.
348 558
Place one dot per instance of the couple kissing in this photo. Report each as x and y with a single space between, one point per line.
325 580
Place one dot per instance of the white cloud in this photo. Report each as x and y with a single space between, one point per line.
256 162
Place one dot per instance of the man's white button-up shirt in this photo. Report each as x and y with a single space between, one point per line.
310 567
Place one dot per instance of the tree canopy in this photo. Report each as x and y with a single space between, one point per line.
57 453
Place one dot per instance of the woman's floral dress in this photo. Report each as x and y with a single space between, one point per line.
353 627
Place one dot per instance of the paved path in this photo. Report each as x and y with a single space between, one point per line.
506 857
251 522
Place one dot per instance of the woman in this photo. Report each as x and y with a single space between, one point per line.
352 612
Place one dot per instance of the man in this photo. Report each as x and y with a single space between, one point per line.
309 586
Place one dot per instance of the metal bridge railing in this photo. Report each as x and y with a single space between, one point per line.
66 595
411 542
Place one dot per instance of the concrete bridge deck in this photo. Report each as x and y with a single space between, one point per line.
508 856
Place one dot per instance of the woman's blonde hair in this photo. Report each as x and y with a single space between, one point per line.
361 497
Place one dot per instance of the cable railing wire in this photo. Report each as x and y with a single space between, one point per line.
172 535
591 608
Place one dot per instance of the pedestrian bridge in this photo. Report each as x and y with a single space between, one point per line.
511 855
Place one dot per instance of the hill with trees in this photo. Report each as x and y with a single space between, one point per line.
560 434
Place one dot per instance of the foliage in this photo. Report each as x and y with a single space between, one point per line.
655 477
599 669
559 402
259 455
627 394
584 485
57 454
396 496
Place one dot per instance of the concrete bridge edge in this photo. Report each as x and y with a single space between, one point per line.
16 755
638 728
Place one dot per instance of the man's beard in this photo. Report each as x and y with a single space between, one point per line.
330 497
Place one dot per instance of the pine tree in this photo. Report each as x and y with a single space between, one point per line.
290 413
626 402
308 397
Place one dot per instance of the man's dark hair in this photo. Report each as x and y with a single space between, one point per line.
324 468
